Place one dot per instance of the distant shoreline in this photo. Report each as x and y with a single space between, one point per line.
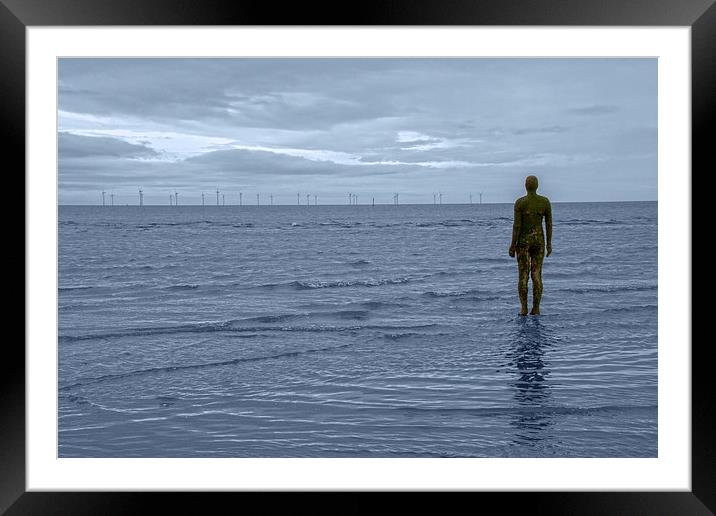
369 205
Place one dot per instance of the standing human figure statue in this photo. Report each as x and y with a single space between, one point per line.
528 242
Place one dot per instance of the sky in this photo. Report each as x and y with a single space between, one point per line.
587 128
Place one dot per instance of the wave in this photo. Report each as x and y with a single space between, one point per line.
606 222
607 289
399 336
376 305
77 287
318 284
274 318
158 225
474 293
111 288
139 267
187 286
434 224
311 285
151 225
307 285
636 308
453 223
406 224
168 369
579 222
344 314
233 326
461 297
394 336
477 299
167 401
548 274
337 224
336 314
369 282
530 410
648 252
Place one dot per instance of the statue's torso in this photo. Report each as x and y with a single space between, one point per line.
532 209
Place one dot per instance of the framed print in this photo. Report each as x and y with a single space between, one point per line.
271 252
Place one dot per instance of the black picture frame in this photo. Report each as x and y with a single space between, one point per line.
17 15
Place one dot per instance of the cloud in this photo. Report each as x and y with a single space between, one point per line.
443 143
282 159
167 145
307 161
279 93
552 129
594 110
77 146
413 136
424 142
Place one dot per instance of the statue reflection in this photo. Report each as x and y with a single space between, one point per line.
532 390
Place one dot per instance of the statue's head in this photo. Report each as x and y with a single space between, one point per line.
531 183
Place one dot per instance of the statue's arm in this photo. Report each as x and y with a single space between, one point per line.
548 224
516 226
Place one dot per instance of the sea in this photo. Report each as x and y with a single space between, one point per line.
354 331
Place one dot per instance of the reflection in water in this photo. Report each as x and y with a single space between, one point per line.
532 390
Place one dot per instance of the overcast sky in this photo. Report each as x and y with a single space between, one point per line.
586 127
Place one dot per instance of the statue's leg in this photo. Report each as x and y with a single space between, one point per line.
536 259
523 272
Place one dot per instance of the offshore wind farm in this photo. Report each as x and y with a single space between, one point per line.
238 199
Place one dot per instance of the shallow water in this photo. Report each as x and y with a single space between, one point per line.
354 331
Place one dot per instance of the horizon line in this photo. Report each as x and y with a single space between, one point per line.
248 205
